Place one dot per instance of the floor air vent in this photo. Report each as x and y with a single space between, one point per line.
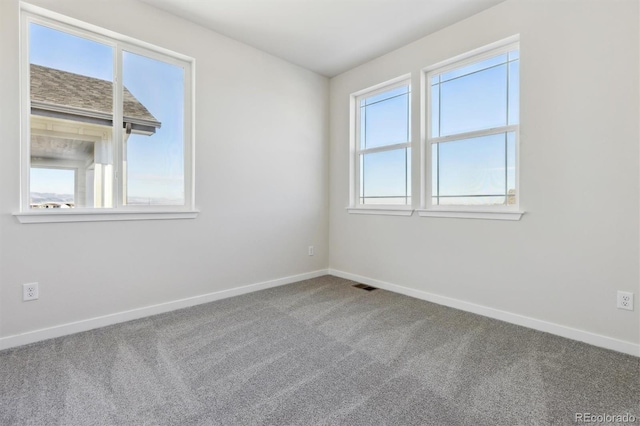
365 287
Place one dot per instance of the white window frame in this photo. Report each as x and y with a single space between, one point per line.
119 43
356 151
427 209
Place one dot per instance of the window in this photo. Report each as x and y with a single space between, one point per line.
106 122
381 147
472 130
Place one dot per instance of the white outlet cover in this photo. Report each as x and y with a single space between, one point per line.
625 300
30 291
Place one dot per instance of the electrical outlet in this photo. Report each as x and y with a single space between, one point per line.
311 251
625 300
29 291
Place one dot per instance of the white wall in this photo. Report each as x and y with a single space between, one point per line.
261 184
578 242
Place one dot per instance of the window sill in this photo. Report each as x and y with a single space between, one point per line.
469 214
101 216
382 210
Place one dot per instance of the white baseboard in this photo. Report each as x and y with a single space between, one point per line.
105 320
536 324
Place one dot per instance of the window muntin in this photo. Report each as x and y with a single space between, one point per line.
383 146
472 132
82 84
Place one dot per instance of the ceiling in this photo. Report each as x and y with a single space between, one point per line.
325 36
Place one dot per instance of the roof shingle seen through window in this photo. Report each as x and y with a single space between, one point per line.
56 87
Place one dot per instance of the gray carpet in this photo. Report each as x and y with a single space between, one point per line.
318 352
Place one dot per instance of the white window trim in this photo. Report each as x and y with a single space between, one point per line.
470 212
355 151
382 210
30 13
100 215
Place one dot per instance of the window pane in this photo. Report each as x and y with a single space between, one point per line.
385 122
52 188
471 201
435 170
65 52
402 90
475 101
71 117
474 67
514 92
407 159
435 111
154 142
386 177
471 171
511 168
